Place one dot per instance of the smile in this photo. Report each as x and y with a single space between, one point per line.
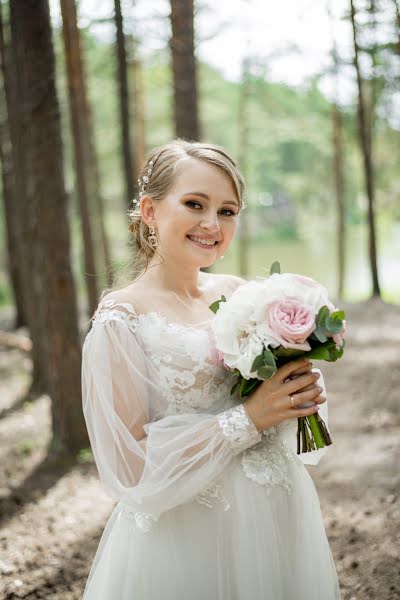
202 242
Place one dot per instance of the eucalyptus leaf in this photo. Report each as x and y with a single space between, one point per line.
258 362
320 334
319 353
321 316
215 305
275 268
266 372
333 325
339 314
269 358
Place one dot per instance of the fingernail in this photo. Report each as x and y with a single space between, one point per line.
316 408
320 388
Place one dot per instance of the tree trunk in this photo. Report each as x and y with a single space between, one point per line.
57 309
339 194
100 212
128 156
338 169
184 70
366 149
243 121
27 222
9 193
138 112
80 134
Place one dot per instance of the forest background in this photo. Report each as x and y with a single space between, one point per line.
87 90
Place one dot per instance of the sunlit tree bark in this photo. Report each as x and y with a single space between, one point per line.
366 149
55 307
126 139
184 70
80 134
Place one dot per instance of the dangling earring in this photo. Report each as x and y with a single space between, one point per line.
152 238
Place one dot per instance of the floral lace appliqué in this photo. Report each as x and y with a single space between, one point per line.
111 310
140 520
268 462
215 492
238 428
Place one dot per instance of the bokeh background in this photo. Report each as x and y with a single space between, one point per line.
305 95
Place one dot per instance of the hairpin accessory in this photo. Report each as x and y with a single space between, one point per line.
144 180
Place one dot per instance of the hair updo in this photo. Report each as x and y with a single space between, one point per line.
157 177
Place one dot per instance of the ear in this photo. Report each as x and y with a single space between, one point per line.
147 209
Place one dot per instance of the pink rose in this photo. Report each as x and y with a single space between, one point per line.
291 322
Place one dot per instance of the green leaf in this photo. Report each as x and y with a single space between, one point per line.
275 268
266 372
320 334
234 388
215 305
282 352
333 325
251 384
242 388
321 316
319 353
269 358
338 314
258 362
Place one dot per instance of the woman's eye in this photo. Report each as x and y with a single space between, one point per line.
191 202
227 210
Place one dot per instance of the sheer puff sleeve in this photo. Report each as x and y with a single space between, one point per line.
146 460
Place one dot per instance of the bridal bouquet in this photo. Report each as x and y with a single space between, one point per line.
270 321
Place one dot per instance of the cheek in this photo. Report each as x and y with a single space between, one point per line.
229 229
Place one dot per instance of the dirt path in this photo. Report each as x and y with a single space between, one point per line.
51 518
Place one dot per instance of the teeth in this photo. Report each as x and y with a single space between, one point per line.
201 241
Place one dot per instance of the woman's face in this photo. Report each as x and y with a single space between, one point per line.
196 221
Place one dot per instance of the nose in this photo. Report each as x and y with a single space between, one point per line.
210 222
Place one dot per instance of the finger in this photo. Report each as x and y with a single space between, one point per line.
302 412
299 383
298 373
309 387
286 370
302 397
301 371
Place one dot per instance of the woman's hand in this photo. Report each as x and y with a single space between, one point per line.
271 403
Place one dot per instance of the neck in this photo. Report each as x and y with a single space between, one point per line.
183 280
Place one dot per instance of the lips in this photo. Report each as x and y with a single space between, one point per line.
215 242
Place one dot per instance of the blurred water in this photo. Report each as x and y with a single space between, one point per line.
315 255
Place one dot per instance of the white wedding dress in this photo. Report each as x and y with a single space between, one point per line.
207 507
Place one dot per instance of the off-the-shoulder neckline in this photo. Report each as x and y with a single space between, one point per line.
128 306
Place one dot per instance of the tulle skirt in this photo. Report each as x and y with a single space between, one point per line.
247 542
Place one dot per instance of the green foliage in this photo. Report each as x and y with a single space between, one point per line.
275 268
215 305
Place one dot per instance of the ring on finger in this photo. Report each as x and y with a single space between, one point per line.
292 401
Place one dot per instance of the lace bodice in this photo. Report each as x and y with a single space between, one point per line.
184 355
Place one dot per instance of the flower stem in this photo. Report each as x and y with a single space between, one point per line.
315 430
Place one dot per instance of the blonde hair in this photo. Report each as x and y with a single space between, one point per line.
165 162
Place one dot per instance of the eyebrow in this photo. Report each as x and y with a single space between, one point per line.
207 198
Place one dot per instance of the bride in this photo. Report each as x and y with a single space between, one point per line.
212 501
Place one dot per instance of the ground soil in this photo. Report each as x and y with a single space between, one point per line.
52 516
